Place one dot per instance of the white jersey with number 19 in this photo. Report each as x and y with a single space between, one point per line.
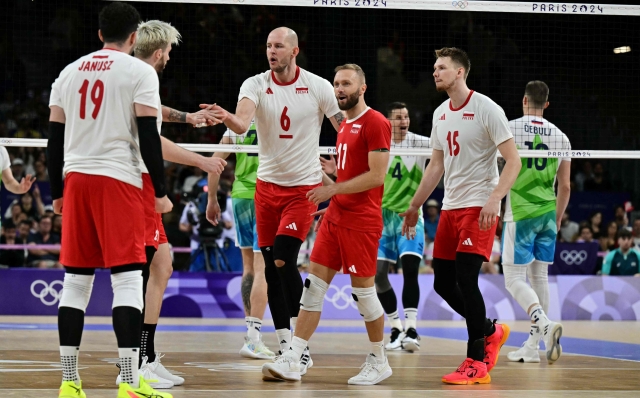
288 119
469 136
97 93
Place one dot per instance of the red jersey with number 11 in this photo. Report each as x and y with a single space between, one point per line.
357 137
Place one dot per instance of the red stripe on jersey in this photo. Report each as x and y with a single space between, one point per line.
537 122
112 49
286 136
463 105
273 76
100 56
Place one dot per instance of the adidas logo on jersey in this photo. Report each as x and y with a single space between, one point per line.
292 226
352 269
468 115
467 242
269 90
443 116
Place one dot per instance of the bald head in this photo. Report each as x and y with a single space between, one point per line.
284 35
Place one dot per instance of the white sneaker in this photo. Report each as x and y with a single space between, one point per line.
255 350
284 367
411 340
162 372
395 343
372 372
150 377
551 334
305 362
528 353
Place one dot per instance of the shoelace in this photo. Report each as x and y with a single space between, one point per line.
464 366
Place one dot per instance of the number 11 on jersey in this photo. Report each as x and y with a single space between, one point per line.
342 156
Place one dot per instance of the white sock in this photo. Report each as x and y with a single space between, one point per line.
394 320
377 350
533 340
129 366
294 322
69 361
247 321
538 316
284 339
298 345
253 331
410 318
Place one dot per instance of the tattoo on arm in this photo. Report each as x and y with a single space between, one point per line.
177 116
339 117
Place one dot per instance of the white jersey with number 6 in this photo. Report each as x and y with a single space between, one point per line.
97 93
288 120
469 137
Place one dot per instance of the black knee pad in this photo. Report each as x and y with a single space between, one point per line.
467 270
444 276
286 248
382 277
410 266
270 272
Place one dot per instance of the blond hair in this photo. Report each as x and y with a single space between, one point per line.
354 67
155 35
458 57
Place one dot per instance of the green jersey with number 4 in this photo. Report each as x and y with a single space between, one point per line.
244 186
533 193
404 174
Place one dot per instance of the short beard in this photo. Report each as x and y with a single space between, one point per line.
442 89
159 67
352 100
280 68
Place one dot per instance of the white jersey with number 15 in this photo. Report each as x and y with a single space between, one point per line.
97 93
469 137
288 120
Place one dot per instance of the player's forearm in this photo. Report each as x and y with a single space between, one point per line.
326 180
173 115
429 182
360 183
562 201
10 183
173 153
212 181
237 124
507 179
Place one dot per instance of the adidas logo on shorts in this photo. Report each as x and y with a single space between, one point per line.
292 226
352 269
467 242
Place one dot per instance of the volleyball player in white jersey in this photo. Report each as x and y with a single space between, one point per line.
289 105
155 39
103 108
531 222
468 130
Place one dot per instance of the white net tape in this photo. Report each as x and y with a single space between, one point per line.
577 153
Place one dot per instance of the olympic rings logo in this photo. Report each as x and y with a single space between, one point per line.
573 256
341 298
460 4
47 290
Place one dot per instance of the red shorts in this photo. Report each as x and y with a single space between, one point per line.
103 222
458 231
282 211
338 247
154 234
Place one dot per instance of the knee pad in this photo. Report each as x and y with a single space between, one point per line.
410 266
76 291
127 289
313 294
382 277
286 248
515 280
368 303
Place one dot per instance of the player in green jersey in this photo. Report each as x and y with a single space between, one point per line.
532 220
254 284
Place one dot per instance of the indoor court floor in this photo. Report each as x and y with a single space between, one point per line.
600 359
